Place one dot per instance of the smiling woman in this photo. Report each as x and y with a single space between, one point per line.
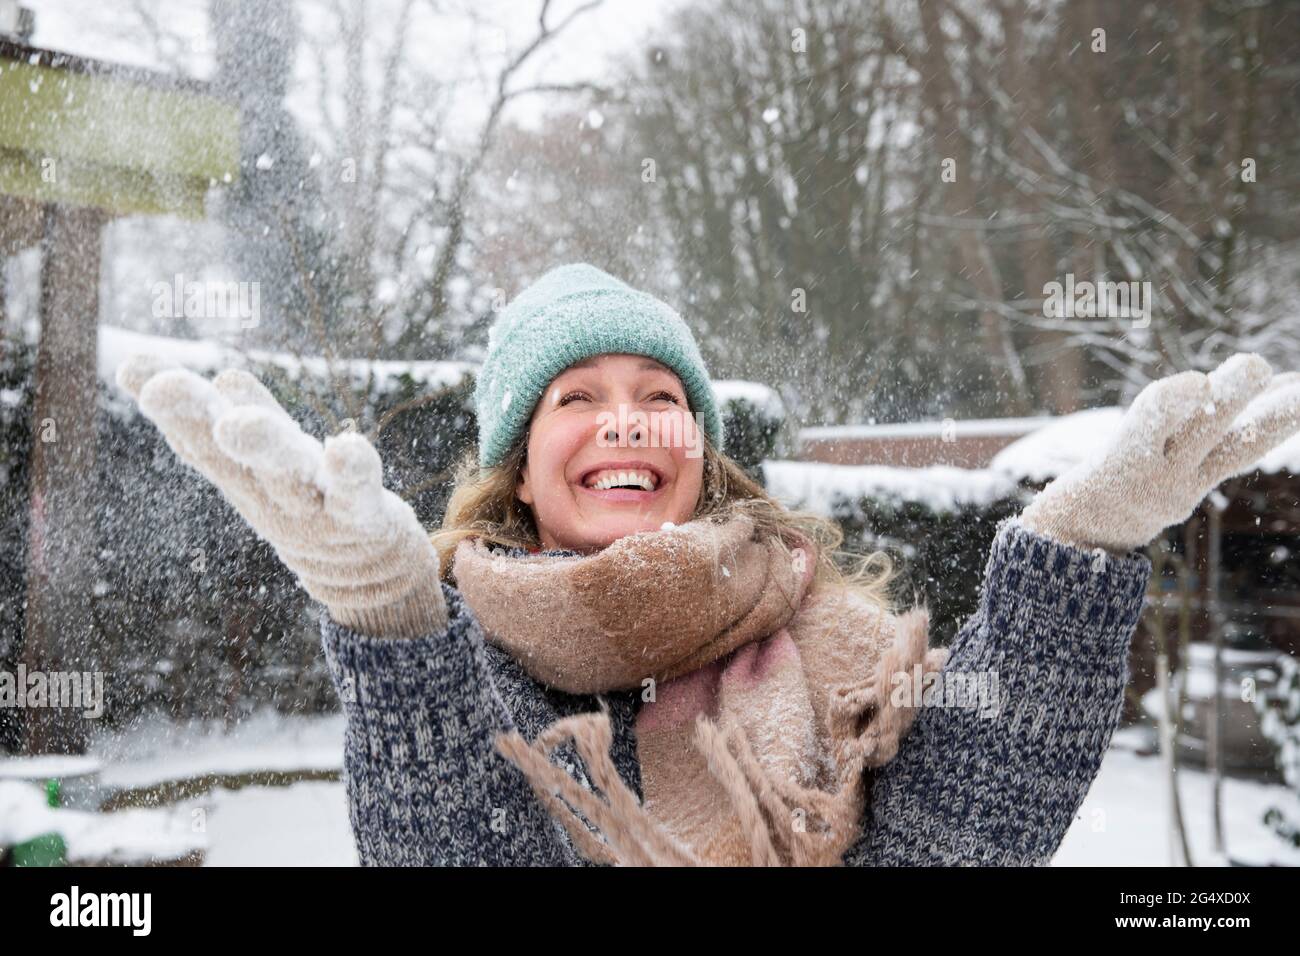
598 492
583 499
613 548
672 664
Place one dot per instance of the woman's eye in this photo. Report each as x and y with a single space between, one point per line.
570 396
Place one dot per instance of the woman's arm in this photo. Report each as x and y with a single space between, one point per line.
353 545
425 785
424 780
1062 594
970 787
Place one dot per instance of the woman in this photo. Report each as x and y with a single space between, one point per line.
637 657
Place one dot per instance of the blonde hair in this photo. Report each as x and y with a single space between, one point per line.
484 505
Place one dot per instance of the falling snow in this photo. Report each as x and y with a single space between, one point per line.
861 226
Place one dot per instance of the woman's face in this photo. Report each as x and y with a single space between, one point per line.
603 424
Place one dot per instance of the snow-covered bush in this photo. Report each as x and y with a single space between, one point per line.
753 418
936 523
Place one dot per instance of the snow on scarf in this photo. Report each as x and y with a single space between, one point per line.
771 695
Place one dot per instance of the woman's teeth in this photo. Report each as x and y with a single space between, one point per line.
604 480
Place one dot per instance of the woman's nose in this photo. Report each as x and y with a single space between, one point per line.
621 421
611 434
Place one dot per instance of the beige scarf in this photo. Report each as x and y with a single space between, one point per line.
765 696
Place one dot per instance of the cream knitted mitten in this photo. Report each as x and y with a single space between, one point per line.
354 545
1181 438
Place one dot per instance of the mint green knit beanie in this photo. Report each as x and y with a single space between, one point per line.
571 313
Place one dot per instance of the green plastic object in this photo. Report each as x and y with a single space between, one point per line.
86 136
48 849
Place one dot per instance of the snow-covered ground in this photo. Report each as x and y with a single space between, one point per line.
305 824
129 836
1121 822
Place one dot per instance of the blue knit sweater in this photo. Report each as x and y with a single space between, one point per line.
426 787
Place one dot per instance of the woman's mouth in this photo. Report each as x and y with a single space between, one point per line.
634 482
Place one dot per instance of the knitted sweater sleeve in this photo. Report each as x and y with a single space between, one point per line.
425 786
970 787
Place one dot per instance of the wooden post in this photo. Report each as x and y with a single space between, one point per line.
61 539
81 141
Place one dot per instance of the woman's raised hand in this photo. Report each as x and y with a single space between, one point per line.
1180 439
354 545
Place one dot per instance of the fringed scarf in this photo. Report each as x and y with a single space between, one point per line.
765 697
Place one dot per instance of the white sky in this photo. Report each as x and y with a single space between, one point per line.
111 30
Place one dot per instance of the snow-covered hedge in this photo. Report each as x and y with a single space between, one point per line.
193 613
935 523
753 413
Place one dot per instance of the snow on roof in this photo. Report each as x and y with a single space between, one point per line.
1052 449
116 345
814 486
965 428
1062 442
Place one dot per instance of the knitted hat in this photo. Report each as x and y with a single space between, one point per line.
571 313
